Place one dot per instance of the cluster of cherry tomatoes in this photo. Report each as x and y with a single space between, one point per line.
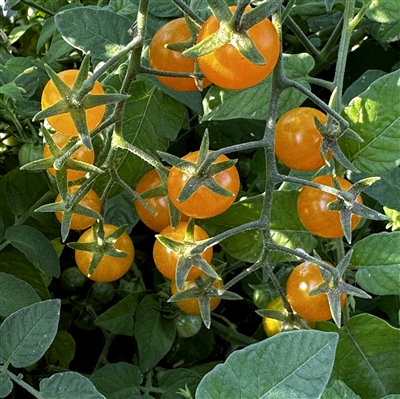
225 67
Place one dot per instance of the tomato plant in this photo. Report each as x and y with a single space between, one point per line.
297 139
63 123
191 306
316 218
203 203
301 281
228 68
109 268
164 59
90 200
82 154
149 181
166 259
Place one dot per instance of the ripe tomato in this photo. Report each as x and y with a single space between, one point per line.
149 181
274 326
90 200
203 203
191 306
166 259
298 141
228 68
164 59
109 268
81 154
301 281
63 123
312 211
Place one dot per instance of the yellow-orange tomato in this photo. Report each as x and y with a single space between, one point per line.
191 306
90 200
313 213
166 260
228 68
81 154
161 220
109 268
298 141
63 123
164 59
304 278
204 203
274 326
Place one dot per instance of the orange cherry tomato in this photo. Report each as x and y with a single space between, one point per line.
203 203
298 141
228 68
164 59
148 181
90 200
109 268
63 123
313 213
301 281
166 260
81 154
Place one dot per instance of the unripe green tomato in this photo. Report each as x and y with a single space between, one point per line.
82 318
72 279
187 325
261 298
30 152
102 292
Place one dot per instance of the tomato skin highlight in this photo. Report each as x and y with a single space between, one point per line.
312 211
164 59
81 154
298 141
109 268
166 260
90 200
191 306
228 68
301 281
63 123
203 203
148 181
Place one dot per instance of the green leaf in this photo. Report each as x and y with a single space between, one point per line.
294 364
173 380
9 4
68 385
377 260
375 117
119 318
15 294
152 120
339 390
253 103
6 385
361 84
165 8
287 230
28 333
62 350
118 381
36 247
154 333
15 199
383 11
84 28
13 262
367 356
